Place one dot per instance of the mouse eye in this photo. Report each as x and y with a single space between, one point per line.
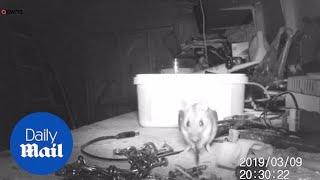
188 124
201 123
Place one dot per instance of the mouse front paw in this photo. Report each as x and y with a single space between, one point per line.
208 148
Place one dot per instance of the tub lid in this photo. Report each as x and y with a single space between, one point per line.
190 78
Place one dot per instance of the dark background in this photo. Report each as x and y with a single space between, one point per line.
93 48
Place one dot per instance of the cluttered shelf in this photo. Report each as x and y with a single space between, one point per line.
173 138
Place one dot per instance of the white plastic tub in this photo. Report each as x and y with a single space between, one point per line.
160 96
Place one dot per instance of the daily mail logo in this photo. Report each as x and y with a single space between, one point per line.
33 150
41 143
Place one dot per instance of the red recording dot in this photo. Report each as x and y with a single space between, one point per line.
3 12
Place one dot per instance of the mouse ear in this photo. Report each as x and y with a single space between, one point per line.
212 114
184 104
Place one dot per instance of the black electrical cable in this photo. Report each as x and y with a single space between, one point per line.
122 135
264 114
204 31
292 96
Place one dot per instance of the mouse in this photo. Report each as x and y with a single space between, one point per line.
198 126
